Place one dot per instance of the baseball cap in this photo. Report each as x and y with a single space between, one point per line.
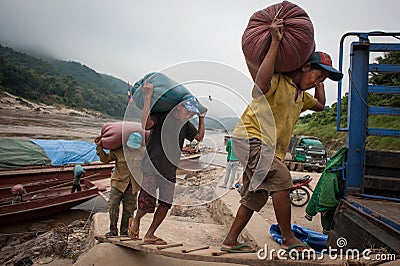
325 62
134 140
191 103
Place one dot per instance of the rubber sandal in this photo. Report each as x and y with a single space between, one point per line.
110 234
134 235
155 241
302 254
239 249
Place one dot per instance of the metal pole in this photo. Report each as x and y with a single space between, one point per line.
357 115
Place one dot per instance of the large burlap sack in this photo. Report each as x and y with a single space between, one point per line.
167 93
113 134
297 43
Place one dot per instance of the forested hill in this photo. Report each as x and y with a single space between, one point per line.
51 81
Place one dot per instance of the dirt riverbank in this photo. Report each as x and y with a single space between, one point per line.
23 119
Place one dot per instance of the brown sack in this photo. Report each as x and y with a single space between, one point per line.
297 43
113 134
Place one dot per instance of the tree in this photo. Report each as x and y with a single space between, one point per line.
386 79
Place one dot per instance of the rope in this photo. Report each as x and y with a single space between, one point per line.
91 213
355 87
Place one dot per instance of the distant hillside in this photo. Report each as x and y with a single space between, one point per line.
88 75
55 82
225 124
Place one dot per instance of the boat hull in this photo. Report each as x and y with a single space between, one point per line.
46 203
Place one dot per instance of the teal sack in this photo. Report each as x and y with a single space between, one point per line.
167 93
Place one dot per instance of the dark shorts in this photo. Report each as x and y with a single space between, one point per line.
148 192
264 173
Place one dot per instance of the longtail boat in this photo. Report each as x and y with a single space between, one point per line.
45 202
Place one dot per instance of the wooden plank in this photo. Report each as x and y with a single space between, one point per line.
382 186
385 159
385 209
169 246
195 249
219 253
382 171
117 237
127 239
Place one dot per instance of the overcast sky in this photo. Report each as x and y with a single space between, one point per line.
128 39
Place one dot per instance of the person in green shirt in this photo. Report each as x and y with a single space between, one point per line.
231 166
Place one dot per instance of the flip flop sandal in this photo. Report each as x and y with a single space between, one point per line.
239 249
134 235
110 234
155 241
299 254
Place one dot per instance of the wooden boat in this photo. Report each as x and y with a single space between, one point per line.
36 178
45 202
44 173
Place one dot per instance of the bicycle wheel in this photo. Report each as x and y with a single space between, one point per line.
299 197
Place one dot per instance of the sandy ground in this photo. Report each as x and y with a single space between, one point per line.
298 213
20 118
14 103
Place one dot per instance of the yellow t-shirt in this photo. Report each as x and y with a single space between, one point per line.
271 117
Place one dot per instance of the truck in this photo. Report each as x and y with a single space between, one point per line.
306 153
368 215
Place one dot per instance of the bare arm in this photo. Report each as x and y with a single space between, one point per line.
147 89
320 96
201 128
266 70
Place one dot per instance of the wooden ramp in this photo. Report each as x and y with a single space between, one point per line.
188 252
205 253
196 242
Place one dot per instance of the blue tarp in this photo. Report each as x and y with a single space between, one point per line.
314 239
63 152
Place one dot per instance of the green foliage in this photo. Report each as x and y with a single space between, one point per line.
388 79
57 82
